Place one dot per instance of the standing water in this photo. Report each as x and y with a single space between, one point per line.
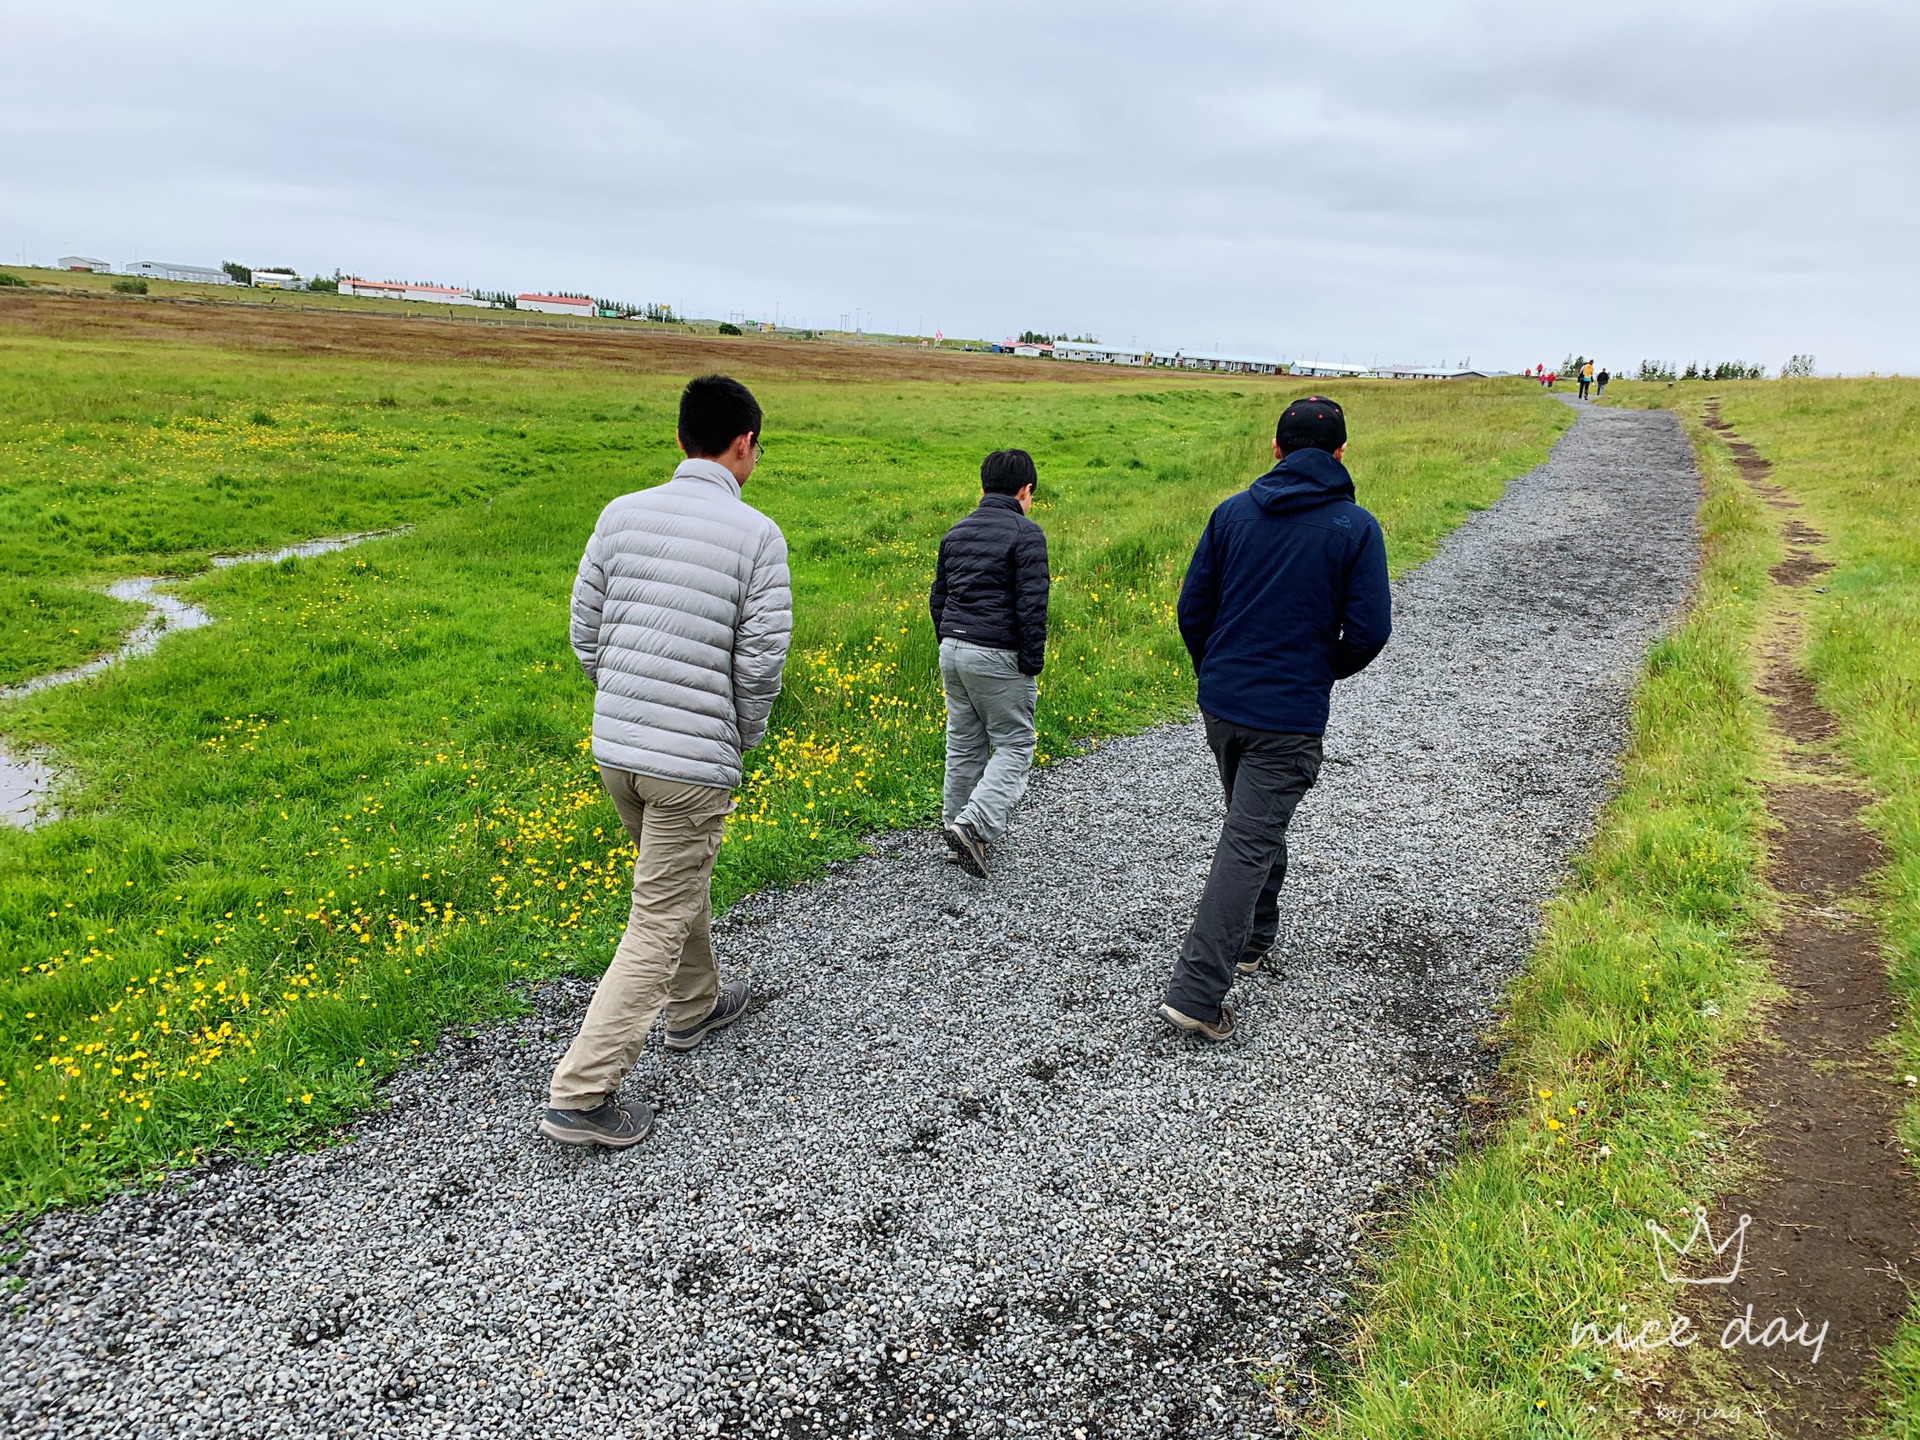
24 783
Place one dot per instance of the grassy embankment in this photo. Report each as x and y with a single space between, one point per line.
356 809
1614 1103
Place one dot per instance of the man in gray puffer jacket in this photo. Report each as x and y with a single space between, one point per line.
681 617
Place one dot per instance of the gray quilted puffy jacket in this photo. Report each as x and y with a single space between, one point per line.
681 618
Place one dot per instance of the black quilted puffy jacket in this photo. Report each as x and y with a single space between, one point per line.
990 585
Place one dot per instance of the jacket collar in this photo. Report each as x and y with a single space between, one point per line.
1304 479
712 472
1000 502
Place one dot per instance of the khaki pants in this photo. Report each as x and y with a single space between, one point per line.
665 960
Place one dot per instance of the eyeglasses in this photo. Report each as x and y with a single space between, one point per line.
758 451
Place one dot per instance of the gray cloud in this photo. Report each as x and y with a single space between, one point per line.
1392 181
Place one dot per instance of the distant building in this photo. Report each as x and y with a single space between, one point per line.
1031 351
1428 372
85 262
403 290
166 270
1331 369
556 305
1215 360
1085 350
277 280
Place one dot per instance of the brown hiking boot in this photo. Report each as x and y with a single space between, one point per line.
1250 964
1215 1030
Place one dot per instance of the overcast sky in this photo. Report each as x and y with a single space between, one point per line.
1373 182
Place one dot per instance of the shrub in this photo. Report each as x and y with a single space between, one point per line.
130 286
240 274
727 327
325 287
8 278
1800 367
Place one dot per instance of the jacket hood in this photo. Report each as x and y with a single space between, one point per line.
711 471
1304 480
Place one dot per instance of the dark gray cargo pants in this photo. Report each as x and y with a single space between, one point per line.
1265 774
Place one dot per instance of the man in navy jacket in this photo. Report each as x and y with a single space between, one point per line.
1287 593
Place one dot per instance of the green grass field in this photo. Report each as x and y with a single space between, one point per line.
1614 1104
358 808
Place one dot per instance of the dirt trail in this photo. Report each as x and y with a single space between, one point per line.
1836 1212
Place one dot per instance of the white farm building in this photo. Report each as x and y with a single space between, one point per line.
405 290
167 270
1214 360
556 304
85 262
1428 372
1098 354
277 280
1331 369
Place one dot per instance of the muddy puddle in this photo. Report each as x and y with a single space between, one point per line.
25 782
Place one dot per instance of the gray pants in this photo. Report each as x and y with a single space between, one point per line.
989 708
1264 773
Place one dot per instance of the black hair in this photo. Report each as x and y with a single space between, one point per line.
1007 472
716 410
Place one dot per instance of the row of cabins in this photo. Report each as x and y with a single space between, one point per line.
1086 352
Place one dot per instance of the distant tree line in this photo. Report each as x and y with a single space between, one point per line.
1040 337
1724 370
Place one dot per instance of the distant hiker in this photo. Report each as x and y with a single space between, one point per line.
1286 593
1600 384
681 617
989 605
1586 379
1552 375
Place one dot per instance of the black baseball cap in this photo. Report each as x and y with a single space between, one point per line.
1312 422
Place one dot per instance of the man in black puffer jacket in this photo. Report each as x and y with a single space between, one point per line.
989 606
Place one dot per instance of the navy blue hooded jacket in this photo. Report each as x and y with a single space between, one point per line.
1287 592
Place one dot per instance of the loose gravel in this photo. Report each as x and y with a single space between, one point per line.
948 1177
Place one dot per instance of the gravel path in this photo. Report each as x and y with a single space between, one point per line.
949 1179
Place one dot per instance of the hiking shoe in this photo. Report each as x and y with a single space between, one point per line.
1250 964
731 1005
969 847
609 1124
1214 1030
954 857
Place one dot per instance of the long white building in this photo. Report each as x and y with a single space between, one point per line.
404 290
85 262
556 304
167 270
1215 360
1099 354
1331 369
